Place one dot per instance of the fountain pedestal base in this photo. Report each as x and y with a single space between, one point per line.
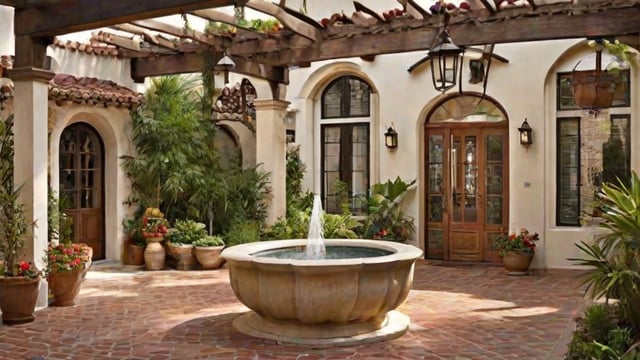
394 325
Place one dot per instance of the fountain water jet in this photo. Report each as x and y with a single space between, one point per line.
315 248
341 299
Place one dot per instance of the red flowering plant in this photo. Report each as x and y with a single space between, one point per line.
154 224
67 257
523 243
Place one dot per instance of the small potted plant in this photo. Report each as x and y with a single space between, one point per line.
154 227
517 251
207 250
180 242
135 244
67 265
19 280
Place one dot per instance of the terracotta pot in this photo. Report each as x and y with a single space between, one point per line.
134 255
593 89
65 286
517 263
18 298
183 254
154 254
209 256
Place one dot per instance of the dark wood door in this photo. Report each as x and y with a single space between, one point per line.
82 184
466 191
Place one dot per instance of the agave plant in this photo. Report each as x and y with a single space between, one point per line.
615 255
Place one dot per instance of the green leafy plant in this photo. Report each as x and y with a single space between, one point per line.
523 243
243 232
210 240
387 220
13 222
186 232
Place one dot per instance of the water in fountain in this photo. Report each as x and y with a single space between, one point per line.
315 243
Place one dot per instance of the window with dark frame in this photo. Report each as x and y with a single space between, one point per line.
345 167
585 161
346 96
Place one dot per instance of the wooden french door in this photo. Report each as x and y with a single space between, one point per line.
466 192
82 185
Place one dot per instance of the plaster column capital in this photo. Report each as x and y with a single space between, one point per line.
30 74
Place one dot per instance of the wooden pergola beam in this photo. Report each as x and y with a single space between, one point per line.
71 16
193 62
218 16
611 22
155 39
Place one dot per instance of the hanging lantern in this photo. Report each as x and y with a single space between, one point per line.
445 58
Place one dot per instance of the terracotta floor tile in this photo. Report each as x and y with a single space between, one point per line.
457 312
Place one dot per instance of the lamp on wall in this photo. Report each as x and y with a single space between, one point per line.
391 138
526 133
445 58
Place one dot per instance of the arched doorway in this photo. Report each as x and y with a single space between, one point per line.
82 184
466 168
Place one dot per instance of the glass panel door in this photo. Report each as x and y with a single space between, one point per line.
436 202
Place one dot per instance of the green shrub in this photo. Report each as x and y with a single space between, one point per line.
186 232
243 232
209 240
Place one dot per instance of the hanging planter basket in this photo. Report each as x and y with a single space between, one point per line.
593 89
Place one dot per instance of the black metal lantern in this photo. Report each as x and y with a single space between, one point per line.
526 133
391 138
445 58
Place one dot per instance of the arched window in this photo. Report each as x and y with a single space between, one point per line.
345 97
345 145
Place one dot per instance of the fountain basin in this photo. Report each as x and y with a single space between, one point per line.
316 299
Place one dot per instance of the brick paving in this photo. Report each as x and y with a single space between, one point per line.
457 312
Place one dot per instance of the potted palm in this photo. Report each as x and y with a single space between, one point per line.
19 280
207 251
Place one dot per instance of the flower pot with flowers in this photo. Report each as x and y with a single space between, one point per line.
154 227
67 265
517 251
19 280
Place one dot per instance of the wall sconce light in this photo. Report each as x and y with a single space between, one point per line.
391 138
445 58
526 133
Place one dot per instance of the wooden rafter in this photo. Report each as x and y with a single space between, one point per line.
186 63
182 32
290 22
218 16
155 39
51 19
413 8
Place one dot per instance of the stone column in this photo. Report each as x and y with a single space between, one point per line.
271 151
30 106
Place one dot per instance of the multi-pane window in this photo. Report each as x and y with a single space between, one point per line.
345 145
345 167
592 148
345 97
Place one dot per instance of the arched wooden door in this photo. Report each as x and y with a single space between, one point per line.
466 141
82 184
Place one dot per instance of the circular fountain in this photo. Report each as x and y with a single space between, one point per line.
322 292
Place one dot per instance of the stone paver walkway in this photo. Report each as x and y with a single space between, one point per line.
457 312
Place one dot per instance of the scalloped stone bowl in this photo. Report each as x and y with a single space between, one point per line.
340 301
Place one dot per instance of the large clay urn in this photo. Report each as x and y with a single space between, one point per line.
517 263
154 253
209 256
